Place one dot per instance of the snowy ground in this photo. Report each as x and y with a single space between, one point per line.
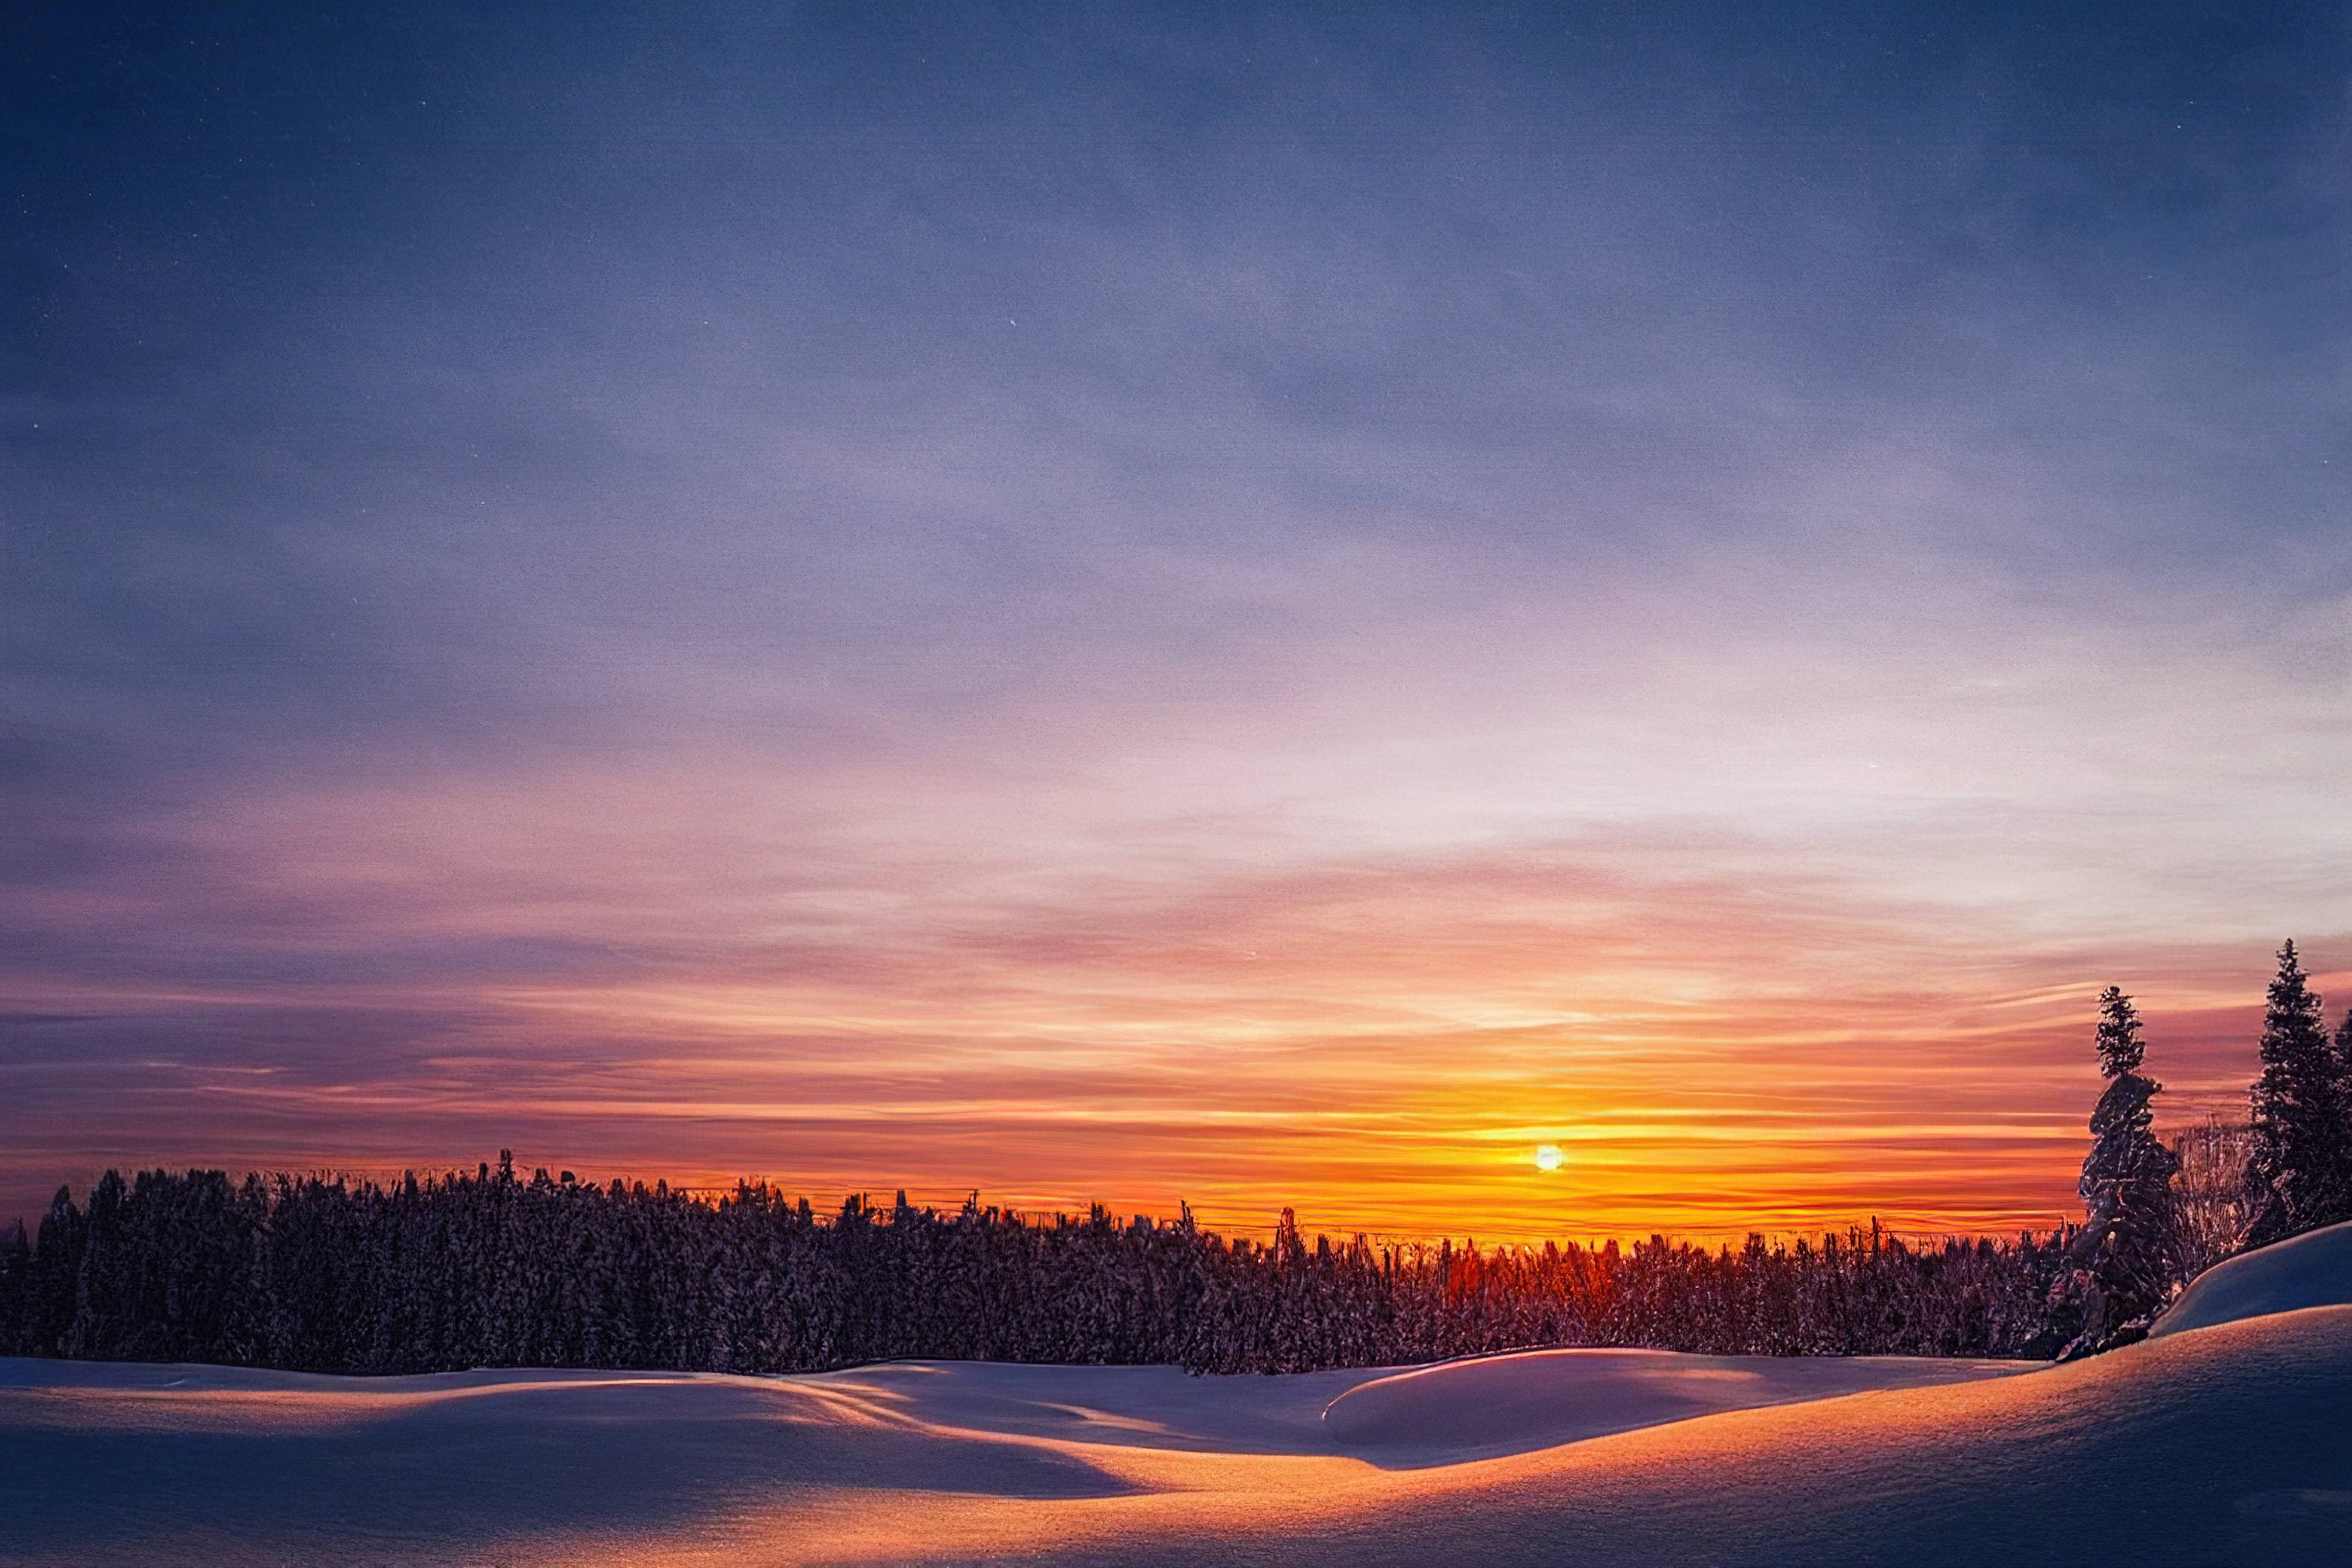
2315 1269
2227 1443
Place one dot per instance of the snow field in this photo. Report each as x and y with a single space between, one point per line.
2226 1438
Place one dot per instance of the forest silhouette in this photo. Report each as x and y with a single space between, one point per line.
493 1269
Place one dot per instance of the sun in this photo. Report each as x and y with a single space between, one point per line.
1548 1157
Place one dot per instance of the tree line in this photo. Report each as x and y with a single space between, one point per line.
492 1268
2144 1236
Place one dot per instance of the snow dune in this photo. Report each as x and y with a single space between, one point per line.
1506 1404
2313 1269
2228 1445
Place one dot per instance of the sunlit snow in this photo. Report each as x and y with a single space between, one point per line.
2228 1444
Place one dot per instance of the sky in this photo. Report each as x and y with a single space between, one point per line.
1250 606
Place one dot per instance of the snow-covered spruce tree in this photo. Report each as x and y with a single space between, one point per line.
16 1270
2124 1255
2299 1175
2344 1106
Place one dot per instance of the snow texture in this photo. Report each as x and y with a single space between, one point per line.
2313 1269
2225 1446
1507 1405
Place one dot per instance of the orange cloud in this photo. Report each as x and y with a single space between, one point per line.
1718 1037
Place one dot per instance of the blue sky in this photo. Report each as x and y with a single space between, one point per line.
553 555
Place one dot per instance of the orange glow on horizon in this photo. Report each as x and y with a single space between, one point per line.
1380 1044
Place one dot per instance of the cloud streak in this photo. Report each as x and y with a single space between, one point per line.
1248 607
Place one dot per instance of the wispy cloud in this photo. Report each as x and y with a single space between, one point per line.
1233 608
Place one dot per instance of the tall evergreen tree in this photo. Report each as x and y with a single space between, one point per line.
16 1272
2344 1058
2299 1175
2128 1242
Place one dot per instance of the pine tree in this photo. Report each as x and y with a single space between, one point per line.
16 1274
2127 1246
2343 1094
2299 1175
52 1277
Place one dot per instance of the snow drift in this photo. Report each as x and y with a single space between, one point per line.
2227 1445
2313 1269
1510 1403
